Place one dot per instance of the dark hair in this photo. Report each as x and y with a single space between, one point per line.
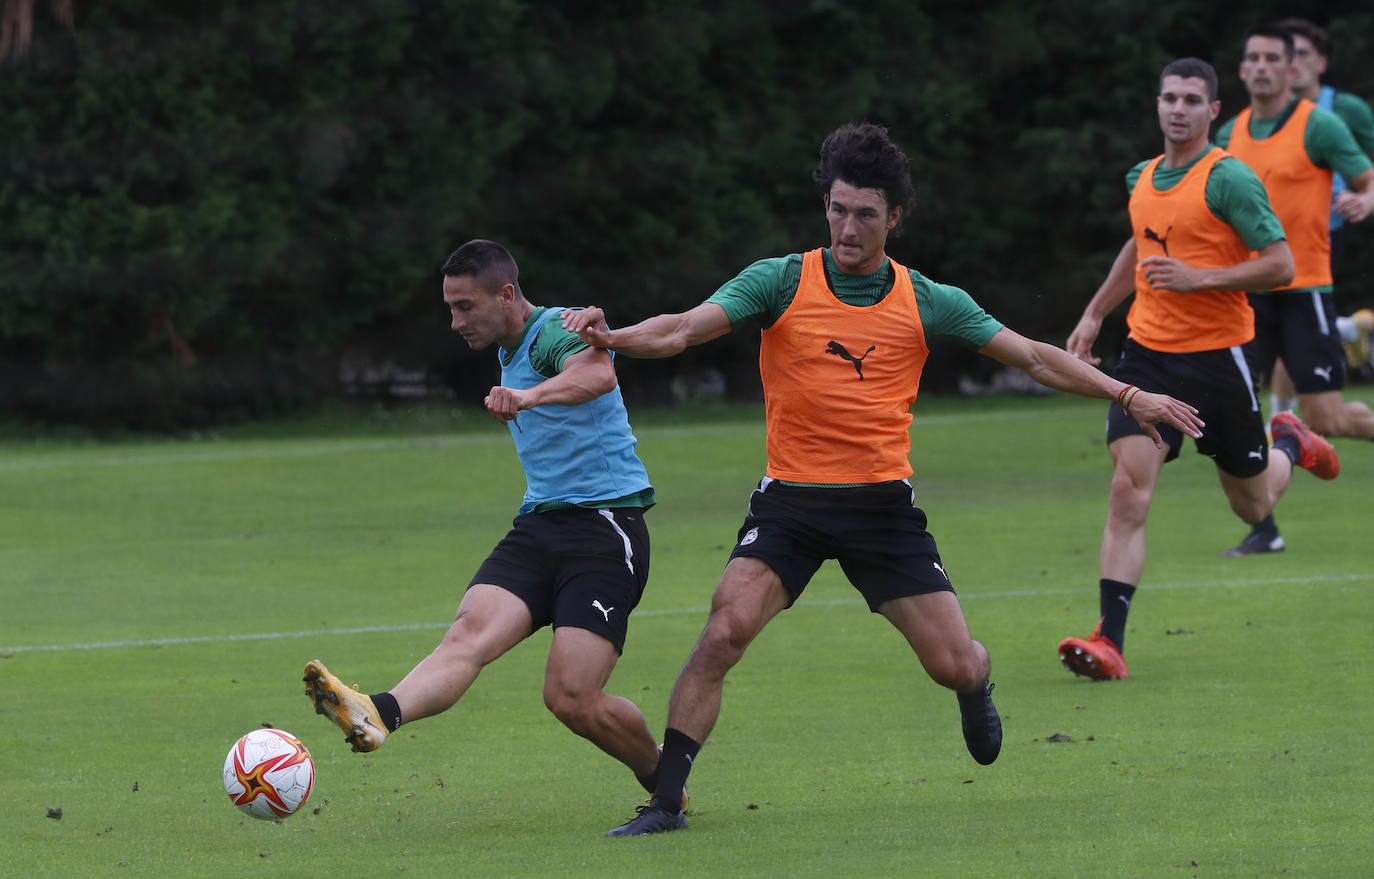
863 156
1273 31
1192 68
486 261
1301 27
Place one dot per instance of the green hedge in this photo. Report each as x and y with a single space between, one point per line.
188 185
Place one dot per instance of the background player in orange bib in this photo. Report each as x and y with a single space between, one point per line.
1296 148
1204 233
1310 43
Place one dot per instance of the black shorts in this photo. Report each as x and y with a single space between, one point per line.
1300 328
874 531
575 567
1218 383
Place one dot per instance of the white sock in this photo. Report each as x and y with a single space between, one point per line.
1279 404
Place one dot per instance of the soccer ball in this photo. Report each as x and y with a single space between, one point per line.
268 774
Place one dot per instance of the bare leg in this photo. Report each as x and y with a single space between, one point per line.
580 664
1136 465
1254 498
1329 414
490 622
748 595
933 624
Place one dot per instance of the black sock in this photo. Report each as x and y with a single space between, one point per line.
679 750
388 709
1266 527
1290 446
1114 600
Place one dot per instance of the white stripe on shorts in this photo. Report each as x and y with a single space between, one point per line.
1319 307
1244 366
763 486
624 538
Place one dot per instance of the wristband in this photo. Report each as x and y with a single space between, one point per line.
1126 403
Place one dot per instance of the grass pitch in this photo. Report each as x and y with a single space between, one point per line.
157 600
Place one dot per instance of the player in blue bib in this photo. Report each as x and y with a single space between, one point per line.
577 555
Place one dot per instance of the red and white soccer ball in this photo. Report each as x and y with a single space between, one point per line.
268 774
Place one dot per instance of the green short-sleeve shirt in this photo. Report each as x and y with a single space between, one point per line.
765 289
551 347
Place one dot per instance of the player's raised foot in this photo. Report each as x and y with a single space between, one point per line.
982 724
350 710
1097 657
1254 544
1317 455
650 819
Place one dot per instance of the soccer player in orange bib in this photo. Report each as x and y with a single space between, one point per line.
1204 233
841 359
1310 61
1298 149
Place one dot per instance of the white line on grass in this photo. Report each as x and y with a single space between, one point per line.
1331 579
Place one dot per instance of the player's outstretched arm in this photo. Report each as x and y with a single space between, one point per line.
656 337
585 375
1055 368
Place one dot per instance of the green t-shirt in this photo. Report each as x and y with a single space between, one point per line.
551 347
1355 112
765 289
1234 194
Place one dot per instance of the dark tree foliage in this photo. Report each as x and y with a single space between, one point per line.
206 207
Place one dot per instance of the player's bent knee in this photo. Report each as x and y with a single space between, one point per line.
1250 511
464 628
728 635
1128 503
572 710
716 652
460 644
961 672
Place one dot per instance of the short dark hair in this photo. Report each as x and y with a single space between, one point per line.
486 261
1273 31
863 156
1192 68
1301 27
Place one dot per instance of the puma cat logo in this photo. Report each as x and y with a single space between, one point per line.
839 351
1152 235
